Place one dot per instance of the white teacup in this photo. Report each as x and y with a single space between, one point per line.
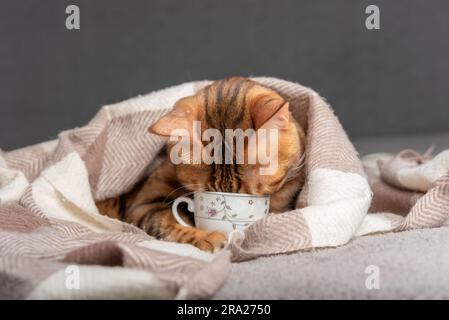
223 211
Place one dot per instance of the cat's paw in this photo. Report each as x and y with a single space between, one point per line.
211 241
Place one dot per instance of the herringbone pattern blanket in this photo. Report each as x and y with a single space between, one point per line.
55 244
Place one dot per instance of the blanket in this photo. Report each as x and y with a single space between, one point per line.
55 244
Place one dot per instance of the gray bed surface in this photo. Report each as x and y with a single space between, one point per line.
410 265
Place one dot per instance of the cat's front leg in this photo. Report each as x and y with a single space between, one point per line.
162 225
211 241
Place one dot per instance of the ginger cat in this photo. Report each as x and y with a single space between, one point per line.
225 104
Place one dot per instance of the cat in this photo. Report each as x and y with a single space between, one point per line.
225 104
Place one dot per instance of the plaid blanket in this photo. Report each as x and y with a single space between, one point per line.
55 244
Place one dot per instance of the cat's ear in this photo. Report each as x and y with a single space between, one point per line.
180 119
274 114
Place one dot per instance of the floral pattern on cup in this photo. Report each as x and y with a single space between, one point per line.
220 206
221 211
211 212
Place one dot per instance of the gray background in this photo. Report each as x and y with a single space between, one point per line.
391 81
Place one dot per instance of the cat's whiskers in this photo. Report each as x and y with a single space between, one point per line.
295 171
184 195
186 186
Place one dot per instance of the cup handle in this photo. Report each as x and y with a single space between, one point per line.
174 209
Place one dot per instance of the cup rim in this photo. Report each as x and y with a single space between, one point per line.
232 194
